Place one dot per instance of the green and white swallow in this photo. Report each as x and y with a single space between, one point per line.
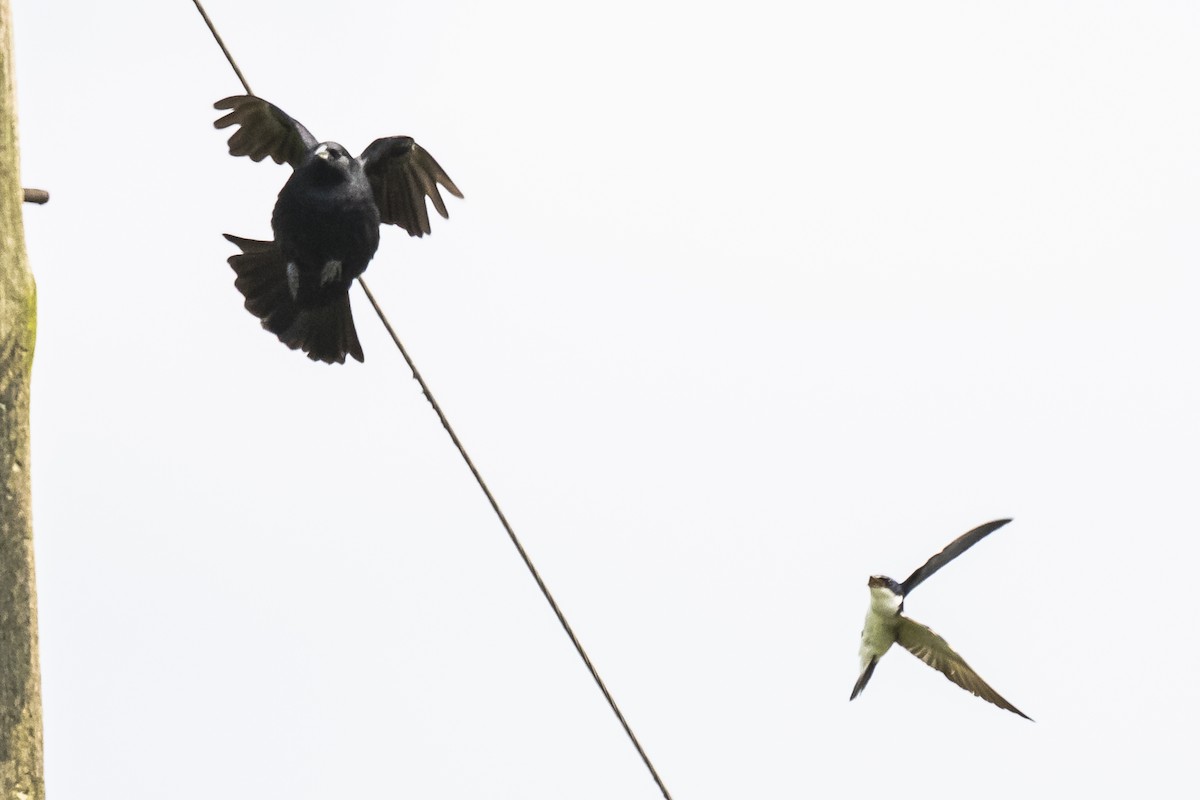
885 625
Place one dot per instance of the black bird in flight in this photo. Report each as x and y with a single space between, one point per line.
326 223
886 625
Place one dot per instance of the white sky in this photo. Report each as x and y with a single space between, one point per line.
743 305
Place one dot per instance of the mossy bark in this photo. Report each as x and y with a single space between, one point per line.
20 680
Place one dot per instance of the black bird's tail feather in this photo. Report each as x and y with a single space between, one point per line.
325 334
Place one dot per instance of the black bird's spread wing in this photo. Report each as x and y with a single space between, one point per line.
933 650
951 552
402 175
265 131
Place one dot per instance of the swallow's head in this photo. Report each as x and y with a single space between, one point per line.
887 596
884 582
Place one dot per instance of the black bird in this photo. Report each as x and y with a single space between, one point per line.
885 625
326 223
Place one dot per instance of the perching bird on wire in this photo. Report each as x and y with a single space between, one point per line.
885 625
326 223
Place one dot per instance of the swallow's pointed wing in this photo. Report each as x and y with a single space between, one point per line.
402 175
863 677
265 131
933 650
951 552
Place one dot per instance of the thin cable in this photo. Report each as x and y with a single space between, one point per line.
566 626
478 477
221 43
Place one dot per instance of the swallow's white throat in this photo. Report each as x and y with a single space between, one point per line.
879 628
884 601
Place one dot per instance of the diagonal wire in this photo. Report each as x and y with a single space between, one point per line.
512 535
221 43
566 626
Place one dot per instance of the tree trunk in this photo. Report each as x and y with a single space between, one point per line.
20 680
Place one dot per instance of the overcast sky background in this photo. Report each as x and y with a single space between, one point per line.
745 303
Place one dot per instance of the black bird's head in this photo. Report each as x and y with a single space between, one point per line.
331 152
331 161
